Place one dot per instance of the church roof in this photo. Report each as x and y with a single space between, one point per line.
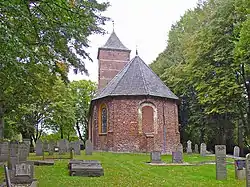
136 78
114 43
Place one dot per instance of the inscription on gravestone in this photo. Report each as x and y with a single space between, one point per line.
23 169
248 170
221 166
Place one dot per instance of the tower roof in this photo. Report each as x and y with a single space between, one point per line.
136 78
114 43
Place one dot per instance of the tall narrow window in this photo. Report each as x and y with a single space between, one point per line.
103 119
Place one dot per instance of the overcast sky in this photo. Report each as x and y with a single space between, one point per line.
144 23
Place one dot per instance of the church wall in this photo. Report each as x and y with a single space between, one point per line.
123 126
110 64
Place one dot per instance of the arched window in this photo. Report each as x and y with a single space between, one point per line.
103 119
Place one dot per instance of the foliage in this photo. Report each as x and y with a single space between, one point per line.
206 65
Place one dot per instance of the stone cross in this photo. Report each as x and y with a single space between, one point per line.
221 165
177 157
189 147
236 151
203 149
196 148
155 157
248 170
88 147
39 148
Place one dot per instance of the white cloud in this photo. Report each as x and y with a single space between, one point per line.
137 22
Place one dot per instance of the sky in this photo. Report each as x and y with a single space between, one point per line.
141 23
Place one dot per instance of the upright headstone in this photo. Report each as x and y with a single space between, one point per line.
155 157
189 147
177 157
236 151
63 147
39 148
4 151
26 141
248 170
45 146
196 148
179 148
23 173
23 151
221 165
76 147
51 147
88 147
203 149
13 155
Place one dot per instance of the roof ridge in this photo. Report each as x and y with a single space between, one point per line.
143 78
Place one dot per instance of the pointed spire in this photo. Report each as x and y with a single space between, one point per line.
113 25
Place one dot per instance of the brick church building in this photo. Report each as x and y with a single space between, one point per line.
133 111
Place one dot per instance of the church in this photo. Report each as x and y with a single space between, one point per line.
133 110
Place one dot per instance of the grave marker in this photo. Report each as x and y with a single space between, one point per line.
203 149
189 147
88 147
196 148
221 166
155 157
39 148
236 151
4 151
179 148
177 157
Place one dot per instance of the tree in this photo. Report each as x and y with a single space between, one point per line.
83 91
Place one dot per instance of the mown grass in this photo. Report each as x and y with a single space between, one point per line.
131 170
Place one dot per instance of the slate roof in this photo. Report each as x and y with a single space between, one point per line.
136 78
114 43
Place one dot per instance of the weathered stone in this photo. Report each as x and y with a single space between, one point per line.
189 147
155 157
236 151
196 148
44 162
39 148
88 147
248 170
23 173
23 151
87 168
76 147
221 165
27 142
4 151
203 149
63 147
51 147
240 169
13 155
45 146
177 157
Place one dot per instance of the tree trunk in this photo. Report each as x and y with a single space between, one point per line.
78 130
61 130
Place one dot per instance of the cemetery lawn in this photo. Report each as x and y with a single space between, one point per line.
132 170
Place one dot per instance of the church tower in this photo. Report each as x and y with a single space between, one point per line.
112 57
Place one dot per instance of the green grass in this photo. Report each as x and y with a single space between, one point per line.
131 170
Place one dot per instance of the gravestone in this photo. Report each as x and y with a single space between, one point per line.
155 157
77 148
85 168
39 148
23 173
23 151
177 157
88 147
236 151
62 147
45 146
196 148
248 170
189 147
179 148
51 147
203 149
240 169
13 155
221 165
27 142
4 151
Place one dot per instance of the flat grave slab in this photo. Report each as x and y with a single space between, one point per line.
44 162
85 168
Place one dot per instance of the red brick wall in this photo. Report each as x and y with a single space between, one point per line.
123 127
111 62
